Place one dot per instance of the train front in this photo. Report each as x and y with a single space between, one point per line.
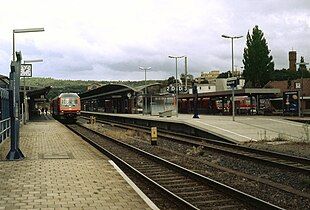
70 106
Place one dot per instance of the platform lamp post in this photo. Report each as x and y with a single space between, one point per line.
25 30
176 80
232 69
15 153
301 111
26 116
145 96
185 67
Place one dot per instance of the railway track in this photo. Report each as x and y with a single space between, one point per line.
188 189
275 159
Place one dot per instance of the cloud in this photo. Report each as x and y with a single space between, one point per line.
108 40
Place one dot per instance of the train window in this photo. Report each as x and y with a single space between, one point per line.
69 101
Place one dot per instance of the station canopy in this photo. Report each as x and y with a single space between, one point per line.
113 89
238 92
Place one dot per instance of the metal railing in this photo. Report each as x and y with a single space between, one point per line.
5 126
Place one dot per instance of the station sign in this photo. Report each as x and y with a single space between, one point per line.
232 82
171 89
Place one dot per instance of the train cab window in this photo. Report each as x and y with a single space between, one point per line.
68 102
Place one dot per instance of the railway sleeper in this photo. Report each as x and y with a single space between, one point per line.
175 178
160 174
182 184
172 181
198 193
214 202
149 168
189 189
201 196
227 207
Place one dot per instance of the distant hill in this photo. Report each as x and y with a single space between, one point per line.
75 86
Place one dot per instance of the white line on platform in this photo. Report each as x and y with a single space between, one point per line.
137 189
227 131
286 122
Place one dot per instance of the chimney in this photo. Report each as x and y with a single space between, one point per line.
292 60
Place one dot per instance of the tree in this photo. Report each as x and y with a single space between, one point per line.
258 64
224 74
302 69
190 78
171 80
284 74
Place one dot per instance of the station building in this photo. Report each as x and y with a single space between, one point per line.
119 98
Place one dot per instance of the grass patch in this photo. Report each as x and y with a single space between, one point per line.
306 182
196 151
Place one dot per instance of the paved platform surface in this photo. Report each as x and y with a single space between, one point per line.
61 171
243 129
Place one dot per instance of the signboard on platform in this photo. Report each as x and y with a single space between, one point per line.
232 82
291 102
171 89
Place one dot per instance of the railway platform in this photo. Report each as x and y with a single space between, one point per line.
243 129
61 171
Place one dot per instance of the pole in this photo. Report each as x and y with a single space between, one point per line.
300 111
185 59
145 91
176 86
232 55
176 80
233 103
232 69
302 90
232 72
15 153
25 101
13 46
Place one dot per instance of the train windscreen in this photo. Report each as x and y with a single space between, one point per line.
69 102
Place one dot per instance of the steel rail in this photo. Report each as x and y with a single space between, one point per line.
241 196
294 163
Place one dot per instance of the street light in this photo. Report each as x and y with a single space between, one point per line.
27 30
145 106
232 69
301 113
15 153
176 80
25 115
185 67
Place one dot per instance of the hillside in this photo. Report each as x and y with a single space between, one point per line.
75 86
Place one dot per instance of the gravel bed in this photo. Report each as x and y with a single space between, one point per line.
186 156
294 148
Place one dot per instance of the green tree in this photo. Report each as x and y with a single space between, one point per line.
258 64
190 78
302 69
284 74
171 80
224 74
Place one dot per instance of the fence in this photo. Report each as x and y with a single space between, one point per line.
5 126
5 122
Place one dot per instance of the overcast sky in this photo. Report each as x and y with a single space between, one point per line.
108 40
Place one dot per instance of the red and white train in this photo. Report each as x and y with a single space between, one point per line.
205 105
66 106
